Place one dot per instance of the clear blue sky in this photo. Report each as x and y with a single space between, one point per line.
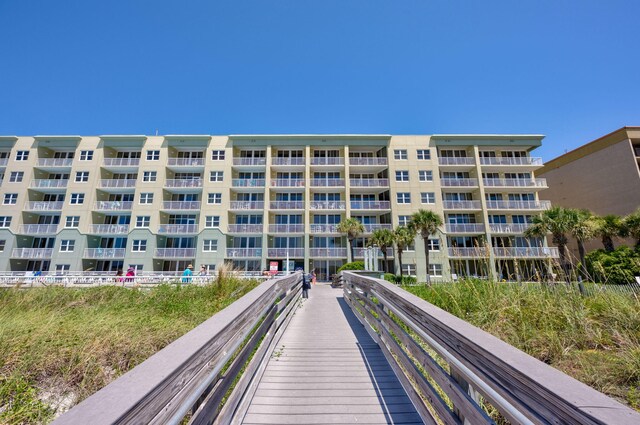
566 69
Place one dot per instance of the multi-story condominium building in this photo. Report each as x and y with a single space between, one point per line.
162 202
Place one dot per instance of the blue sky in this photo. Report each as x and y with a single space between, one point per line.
566 69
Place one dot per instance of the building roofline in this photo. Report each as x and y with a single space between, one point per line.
488 136
310 136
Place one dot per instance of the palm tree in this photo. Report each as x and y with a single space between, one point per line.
426 223
582 228
556 221
383 238
609 227
404 236
352 228
632 224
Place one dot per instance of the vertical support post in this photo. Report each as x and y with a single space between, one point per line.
475 395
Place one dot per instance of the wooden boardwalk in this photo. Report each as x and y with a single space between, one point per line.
327 370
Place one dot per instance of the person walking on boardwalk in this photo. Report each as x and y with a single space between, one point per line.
306 285
313 276
187 273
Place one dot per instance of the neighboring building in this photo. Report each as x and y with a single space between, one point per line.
161 202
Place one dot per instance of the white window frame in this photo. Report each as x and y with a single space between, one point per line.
400 154
402 175
409 269
434 245
22 155
86 155
433 269
145 219
428 198
153 155
5 221
16 176
149 176
403 198
139 245
71 221
76 199
212 221
403 220
215 200
424 154
10 199
82 176
425 175
216 176
67 245
3 244
210 245
146 198
217 155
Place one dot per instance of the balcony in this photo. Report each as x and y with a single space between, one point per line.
287 161
244 252
249 161
44 206
32 253
38 229
535 252
463 252
518 205
189 253
328 252
449 182
183 183
327 182
185 162
109 229
369 182
121 162
181 205
328 205
116 183
447 161
324 228
288 183
368 161
54 162
286 228
247 183
528 161
359 252
286 205
48 184
285 252
4 162
370 205
246 205
113 205
245 228
178 229
327 161
541 183
370 228
462 205
464 228
104 253
508 228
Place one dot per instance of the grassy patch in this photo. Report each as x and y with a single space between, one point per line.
58 346
594 339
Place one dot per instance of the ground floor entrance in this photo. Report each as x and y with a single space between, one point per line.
325 269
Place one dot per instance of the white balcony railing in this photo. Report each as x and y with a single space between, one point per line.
48 183
249 161
246 205
287 182
328 205
121 162
478 252
54 162
287 161
101 253
32 253
117 183
286 228
182 183
359 252
181 205
464 228
369 182
327 182
327 161
324 228
515 182
328 252
109 229
113 205
245 228
44 205
185 162
371 227
511 161
286 205
462 205
508 228
175 253
370 205
285 252
456 161
178 229
38 229
244 252
534 252
518 205
247 182
367 161
451 182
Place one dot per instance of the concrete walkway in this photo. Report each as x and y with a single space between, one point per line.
327 370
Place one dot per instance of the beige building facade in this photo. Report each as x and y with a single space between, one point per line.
159 203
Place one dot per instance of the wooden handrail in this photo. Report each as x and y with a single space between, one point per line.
480 366
187 374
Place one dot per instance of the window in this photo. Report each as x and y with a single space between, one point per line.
403 197
62 268
149 176
411 247
217 155
86 155
424 154
215 198
82 176
153 155
400 154
409 269
404 220
434 244
425 175
143 221
215 176
16 176
3 243
139 245
77 198
210 245
428 197
435 269
5 221
402 176
146 198
67 245
72 221
212 221
10 198
22 155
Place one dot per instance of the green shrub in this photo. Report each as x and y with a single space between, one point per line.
618 267
390 277
355 265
